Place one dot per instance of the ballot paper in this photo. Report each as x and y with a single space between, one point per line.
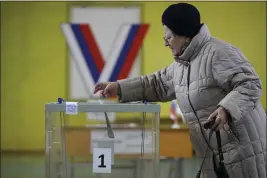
101 115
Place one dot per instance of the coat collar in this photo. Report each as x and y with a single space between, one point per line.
196 44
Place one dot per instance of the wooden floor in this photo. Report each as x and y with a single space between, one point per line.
33 166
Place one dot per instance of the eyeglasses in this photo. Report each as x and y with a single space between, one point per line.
167 38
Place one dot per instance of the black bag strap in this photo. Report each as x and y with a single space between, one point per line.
219 142
202 164
220 170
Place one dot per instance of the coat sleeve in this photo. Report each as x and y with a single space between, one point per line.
238 78
156 87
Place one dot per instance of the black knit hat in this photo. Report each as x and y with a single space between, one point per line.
183 19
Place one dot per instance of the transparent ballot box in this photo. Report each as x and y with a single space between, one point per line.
77 148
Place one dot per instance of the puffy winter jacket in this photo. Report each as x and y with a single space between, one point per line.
220 75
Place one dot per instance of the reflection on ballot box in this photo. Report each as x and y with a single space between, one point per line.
125 142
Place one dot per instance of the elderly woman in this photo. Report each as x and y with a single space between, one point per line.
213 82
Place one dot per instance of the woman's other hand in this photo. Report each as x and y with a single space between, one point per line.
221 117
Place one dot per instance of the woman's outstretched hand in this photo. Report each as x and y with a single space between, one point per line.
107 89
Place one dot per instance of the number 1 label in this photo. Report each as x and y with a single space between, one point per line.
102 160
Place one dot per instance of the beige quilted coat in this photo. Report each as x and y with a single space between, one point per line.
219 75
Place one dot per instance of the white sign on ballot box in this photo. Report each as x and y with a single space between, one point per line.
107 144
102 160
125 141
72 108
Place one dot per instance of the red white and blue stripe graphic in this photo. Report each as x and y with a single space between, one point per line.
89 49
129 52
87 54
